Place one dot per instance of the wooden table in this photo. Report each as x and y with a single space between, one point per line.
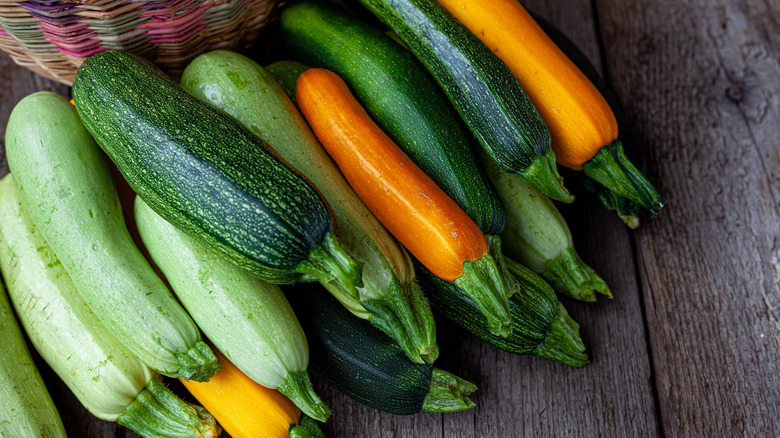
690 346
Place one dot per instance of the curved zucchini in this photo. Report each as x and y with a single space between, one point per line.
105 376
362 362
400 95
246 318
390 297
540 324
209 176
67 186
26 409
482 88
537 236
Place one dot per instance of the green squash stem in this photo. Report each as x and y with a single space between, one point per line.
563 342
306 428
494 248
448 393
156 412
329 263
568 274
482 282
198 363
612 169
543 175
297 387
404 314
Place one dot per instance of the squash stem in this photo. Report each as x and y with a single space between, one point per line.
448 393
569 275
297 387
626 209
510 282
404 314
543 175
329 263
157 412
612 169
563 342
198 363
482 282
306 428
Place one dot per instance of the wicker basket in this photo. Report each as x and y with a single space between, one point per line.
53 37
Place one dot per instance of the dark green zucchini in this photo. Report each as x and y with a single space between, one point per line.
287 72
209 176
488 97
627 209
540 324
400 95
354 357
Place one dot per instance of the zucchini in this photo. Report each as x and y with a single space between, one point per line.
67 186
286 73
112 383
400 95
247 319
540 324
483 90
360 361
390 297
209 176
626 209
27 408
537 236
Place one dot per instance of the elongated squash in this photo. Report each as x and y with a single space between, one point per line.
208 175
26 409
67 186
362 362
105 376
405 200
246 318
480 86
246 409
390 297
583 129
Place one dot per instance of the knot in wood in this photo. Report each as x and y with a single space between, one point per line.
735 93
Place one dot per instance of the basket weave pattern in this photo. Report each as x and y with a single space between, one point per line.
53 37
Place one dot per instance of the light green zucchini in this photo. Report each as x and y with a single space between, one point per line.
537 236
107 379
246 318
390 297
67 186
26 409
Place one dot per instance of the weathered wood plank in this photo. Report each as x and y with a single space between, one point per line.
701 82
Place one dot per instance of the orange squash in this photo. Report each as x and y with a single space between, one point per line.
404 199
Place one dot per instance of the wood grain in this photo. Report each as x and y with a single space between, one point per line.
701 82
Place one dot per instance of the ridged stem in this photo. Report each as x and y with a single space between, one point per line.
448 393
627 210
403 313
612 169
494 247
543 175
198 363
329 263
482 282
157 412
569 275
306 428
297 387
563 342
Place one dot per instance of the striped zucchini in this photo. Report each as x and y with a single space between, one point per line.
208 175
67 186
541 326
362 362
26 409
247 319
482 88
105 376
537 236
390 297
